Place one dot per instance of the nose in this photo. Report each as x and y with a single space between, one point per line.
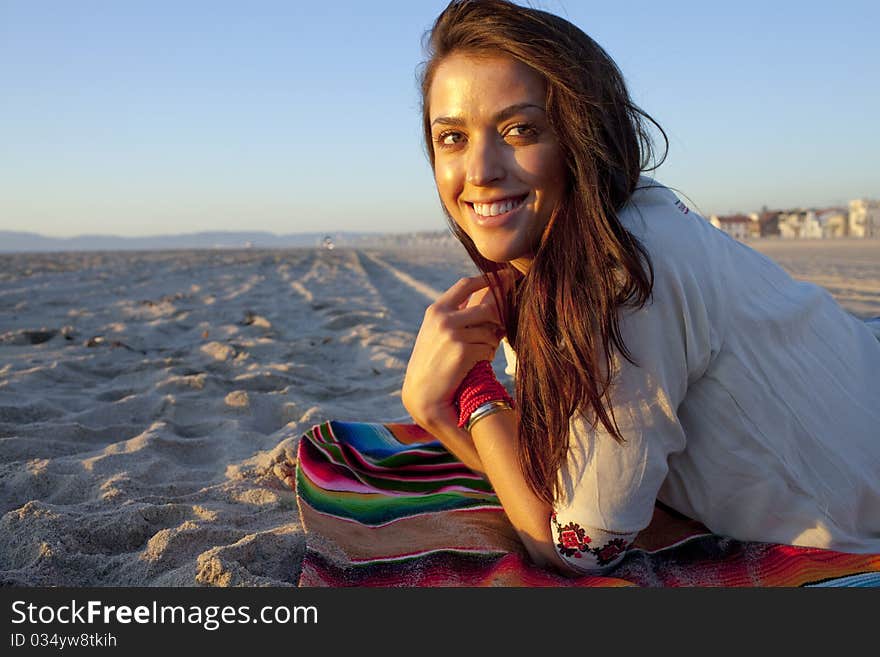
485 162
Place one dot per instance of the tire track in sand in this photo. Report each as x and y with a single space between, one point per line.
406 297
402 291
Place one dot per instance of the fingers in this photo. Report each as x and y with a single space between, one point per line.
484 335
460 291
485 313
450 319
487 295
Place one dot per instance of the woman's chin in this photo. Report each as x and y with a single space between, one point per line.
495 256
500 253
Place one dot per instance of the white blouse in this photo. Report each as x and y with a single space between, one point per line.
754 408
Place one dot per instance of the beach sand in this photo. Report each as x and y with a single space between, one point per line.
148 399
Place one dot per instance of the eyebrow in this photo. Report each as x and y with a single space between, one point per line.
504 114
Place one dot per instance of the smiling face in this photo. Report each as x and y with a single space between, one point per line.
497 163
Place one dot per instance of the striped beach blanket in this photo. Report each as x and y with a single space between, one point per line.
386 505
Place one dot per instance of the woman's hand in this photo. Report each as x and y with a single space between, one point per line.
457 332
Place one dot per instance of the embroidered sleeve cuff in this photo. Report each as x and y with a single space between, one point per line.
589 549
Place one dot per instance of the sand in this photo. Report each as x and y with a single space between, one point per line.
148 400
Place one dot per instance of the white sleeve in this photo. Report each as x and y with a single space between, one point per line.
609 488
509 357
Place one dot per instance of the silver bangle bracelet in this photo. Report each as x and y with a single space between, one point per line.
485 410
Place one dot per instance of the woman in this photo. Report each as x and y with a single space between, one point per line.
654 356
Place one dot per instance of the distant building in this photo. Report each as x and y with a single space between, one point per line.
754 225
864 218
768 223
833 221
799 224
811 228
861 219
735 225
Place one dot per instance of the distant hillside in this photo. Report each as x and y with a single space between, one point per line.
20 241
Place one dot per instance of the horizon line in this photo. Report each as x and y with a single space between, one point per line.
223 232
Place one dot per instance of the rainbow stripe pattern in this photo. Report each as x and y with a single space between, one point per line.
386 505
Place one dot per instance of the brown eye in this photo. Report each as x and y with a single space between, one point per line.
450 138
522 130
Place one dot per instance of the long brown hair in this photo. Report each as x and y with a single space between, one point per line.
563 317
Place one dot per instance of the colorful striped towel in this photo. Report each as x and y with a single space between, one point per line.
386 505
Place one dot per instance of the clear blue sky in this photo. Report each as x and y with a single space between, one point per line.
135 117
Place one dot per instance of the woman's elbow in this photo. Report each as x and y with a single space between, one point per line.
547 555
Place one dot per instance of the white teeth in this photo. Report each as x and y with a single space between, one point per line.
494 209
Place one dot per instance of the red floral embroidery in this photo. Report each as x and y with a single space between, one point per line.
570 538
610 551
572 541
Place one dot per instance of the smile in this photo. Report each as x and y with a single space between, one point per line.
499 207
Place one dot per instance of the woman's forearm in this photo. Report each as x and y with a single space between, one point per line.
459 442
494 440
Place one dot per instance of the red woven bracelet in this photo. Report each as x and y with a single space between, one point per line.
478 387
